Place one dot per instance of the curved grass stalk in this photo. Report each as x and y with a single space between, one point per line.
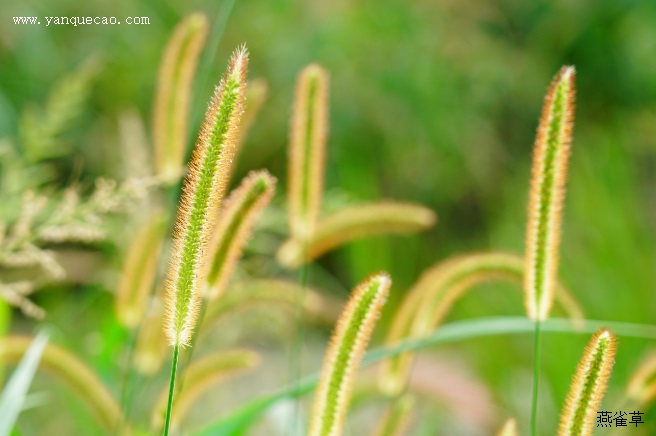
642 385
353 223
202 193
547 193
201 376
139 271
398 417
307 150
589 385
273 292
509 428
347 347
171 110
82 380
432 296
234 227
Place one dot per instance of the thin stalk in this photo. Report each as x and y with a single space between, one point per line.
536 379
174 370
297 344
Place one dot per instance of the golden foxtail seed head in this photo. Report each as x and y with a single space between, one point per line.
547 194
203 192
589 385
347 347
307 149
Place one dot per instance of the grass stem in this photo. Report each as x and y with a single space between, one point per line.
174 370
536 379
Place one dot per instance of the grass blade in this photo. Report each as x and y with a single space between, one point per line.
237 421
74 372
14 393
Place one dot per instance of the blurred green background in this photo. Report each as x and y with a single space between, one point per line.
433 102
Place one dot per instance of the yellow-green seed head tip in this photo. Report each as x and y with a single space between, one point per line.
203 192
346 349
588 385
308 134
547 193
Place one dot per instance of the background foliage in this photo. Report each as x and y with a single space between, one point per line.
432 102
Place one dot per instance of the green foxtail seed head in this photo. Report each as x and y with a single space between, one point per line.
234 227
439 287
203 190
76 374
139 271
509 428
307 149
347 347
588 386
551 151
353 223
173 96
201 376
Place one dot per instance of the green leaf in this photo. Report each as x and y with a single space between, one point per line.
13 396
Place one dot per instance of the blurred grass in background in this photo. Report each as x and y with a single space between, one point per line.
432 102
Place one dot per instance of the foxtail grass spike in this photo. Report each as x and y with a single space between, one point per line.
588 386
139 271
439 287
353 223
547 193
202 193
201 376
398 417
642 384
347 347
309 130
171 110
203 190
234 227
84 382
509 428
